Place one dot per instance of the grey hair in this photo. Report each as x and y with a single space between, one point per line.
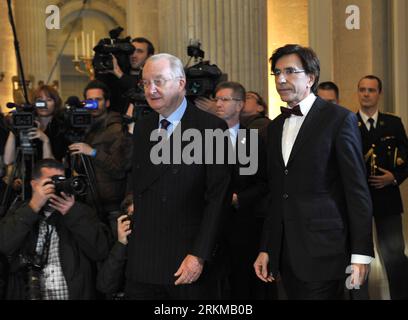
176 66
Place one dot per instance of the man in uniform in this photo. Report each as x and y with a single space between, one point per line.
385 147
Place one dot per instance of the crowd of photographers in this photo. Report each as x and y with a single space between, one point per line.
75 158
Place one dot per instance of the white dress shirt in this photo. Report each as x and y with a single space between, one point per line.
233 131
174 118
290 132
292 127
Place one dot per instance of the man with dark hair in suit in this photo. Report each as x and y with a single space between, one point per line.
179 207
329 91
320 216
242 233
385 146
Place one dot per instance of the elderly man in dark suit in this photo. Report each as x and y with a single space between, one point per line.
385 146
319 219
178 207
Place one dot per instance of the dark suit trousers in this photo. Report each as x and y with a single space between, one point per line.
297 289
207 287
391 249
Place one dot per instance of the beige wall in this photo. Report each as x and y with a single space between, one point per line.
348 55
287 23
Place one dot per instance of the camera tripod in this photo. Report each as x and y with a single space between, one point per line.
84 162
25 160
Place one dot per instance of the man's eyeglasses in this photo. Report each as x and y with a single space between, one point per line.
287 72
226 99
158 83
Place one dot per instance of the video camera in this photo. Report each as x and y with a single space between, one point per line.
120 48
136 97
23 121
202 78
77 118
23 116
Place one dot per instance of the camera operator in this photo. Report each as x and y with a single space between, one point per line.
52 242
47 137
143 50
109 151
122 82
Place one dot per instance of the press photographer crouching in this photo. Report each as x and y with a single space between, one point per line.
52 241
107 149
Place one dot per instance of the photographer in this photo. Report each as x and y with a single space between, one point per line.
111 276
109 151
52 242
47 137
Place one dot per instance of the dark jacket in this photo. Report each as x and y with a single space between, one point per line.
112 161
389 144
259 122
179 207
83 238
111 274
320 202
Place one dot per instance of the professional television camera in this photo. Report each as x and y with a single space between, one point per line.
23 120
120 48
141 108
202 78
77 118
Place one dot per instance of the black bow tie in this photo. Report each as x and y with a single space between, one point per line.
287 112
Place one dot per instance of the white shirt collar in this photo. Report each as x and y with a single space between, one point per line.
365 118
306 104
176 116
234 133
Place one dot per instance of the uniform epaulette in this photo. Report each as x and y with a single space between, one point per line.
391 114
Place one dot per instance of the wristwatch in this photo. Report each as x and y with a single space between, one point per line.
395 182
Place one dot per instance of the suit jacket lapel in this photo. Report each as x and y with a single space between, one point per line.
153 172
370 139
149 172
309 126
380 125
277 136
361 124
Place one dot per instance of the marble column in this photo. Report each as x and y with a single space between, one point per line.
321 36
399 11
142 20
30 19
287 23
7 58
233 34
348 55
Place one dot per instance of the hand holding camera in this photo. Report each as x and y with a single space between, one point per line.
42 191
62 203
37 133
